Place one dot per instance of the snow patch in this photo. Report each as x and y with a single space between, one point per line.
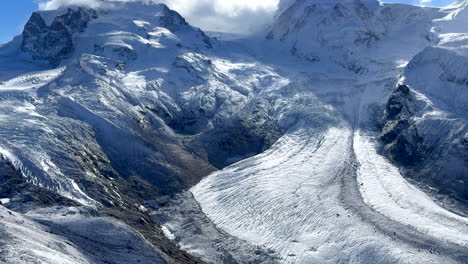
167 232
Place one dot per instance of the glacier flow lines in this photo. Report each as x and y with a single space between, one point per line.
301 199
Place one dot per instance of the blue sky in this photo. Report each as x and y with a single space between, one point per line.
425 2
13 16
15 13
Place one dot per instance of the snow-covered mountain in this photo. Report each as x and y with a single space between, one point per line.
127 106
353 33
338 136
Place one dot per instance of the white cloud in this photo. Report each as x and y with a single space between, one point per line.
425 2
55 4
226 15
216 15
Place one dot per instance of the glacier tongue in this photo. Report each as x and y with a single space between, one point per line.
273 199
301 199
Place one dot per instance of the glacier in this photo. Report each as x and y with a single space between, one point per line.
326 178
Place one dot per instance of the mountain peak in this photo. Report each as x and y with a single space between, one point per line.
53 43
120 30
345 30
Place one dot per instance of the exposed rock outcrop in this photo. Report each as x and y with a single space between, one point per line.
402 141
55 42
429 146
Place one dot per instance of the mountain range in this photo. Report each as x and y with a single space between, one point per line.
337 135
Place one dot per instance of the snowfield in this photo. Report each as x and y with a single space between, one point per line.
31 80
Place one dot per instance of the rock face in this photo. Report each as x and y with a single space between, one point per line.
174 22
244 135
429 145
55 42
400 136
425 125
15 187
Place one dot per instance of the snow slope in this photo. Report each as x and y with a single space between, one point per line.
31 242
68 235
352 33
146 77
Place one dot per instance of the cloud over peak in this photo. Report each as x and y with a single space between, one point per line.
239 16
